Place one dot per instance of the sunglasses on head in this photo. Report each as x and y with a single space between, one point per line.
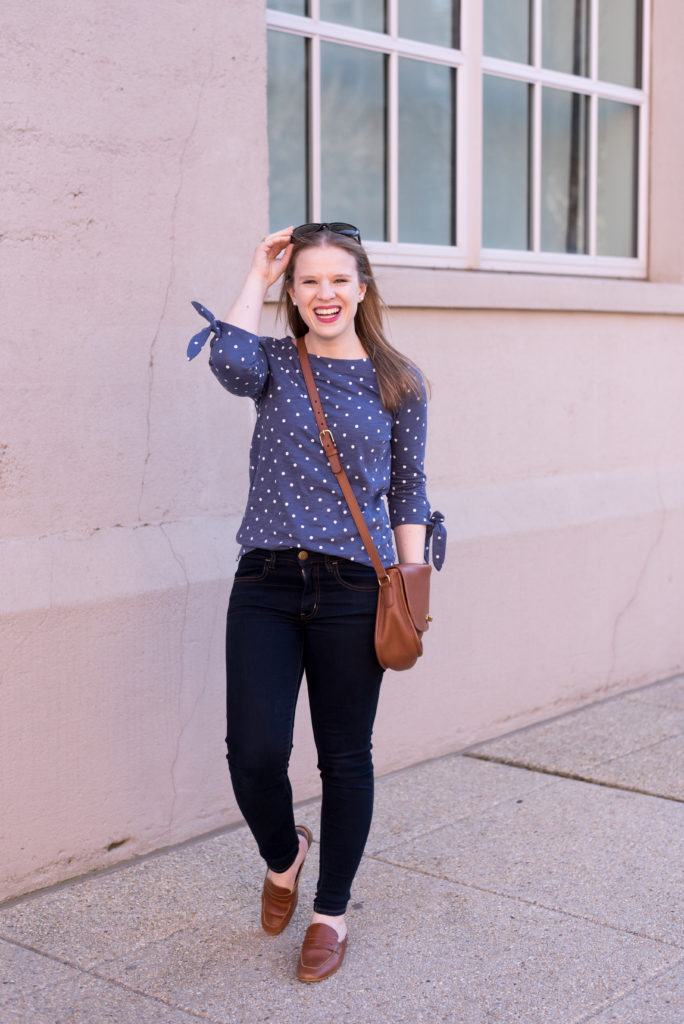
337 227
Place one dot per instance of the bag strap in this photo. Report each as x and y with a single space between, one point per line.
330 448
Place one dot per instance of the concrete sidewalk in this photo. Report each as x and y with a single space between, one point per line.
535 879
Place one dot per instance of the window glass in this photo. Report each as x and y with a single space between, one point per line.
289 6
505 163
564 171
616 200
565 36
432 21
507 29
353 138
620 41
554 179
368 14
426 152
287 132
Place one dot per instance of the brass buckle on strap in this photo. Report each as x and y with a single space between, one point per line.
326 431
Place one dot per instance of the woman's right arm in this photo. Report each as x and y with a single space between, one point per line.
265 270
237 359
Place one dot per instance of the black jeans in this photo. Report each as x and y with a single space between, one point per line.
292 612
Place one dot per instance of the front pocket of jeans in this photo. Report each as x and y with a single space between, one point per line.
252 568
355 577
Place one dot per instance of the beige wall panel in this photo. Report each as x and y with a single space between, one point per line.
534 625
113 711
134 175
136 172
522 395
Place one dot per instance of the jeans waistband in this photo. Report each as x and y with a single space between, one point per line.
299 556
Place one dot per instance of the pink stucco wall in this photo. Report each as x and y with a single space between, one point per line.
135 175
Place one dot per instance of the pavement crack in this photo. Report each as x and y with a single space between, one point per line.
93 972
167 1003
515 897
560 773
52 957
599 1010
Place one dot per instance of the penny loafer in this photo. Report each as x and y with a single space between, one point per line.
322 953
277 903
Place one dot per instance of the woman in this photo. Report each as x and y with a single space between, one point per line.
305 594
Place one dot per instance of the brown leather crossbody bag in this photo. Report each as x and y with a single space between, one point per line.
403 613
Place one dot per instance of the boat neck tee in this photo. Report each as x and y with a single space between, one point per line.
294 499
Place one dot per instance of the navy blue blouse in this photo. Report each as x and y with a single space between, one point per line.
294 499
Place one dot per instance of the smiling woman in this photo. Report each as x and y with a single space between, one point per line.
326 290
305 593
396 376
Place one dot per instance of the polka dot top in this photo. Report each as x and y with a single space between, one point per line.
294 499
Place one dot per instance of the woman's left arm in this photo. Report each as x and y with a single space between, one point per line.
409 539
409 508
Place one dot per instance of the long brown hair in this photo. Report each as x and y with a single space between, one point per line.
398 378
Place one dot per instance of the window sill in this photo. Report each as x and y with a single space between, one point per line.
423 288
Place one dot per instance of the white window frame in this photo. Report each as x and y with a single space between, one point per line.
470 65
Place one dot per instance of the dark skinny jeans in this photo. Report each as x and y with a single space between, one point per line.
288 615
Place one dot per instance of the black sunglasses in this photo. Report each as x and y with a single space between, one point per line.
337 227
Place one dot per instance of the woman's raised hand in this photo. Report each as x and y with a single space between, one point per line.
266 261
265 269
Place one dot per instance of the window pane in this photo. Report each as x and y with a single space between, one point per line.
620 41
353 138
426 152
564 171
507 29
565 36
505 163
289 6
368 14
616 221
433 21
287 134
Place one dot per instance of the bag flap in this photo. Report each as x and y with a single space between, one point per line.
416 582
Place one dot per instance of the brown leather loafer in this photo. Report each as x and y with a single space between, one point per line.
322 953
277 903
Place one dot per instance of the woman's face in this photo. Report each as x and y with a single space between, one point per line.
327 291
